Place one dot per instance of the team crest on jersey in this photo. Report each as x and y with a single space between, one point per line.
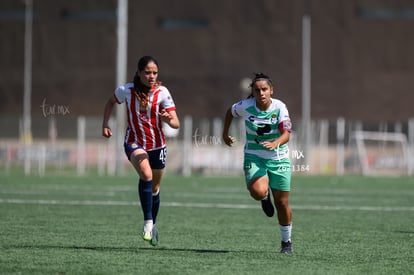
273 119
134 145
143 115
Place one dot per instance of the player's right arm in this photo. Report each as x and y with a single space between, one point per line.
106 131
229 140
236 110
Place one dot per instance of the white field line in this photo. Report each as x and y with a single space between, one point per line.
202 205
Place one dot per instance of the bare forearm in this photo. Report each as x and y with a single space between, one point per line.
174 123
227 122
106 131
171 118
107 113
283 139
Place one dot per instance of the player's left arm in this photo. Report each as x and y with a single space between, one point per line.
168 112
171 118
285 127
283 139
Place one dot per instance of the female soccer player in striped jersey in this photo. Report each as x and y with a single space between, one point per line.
148 104
266 155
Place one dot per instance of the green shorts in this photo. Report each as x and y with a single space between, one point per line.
278 171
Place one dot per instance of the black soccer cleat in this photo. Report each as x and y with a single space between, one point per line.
286 247
267 206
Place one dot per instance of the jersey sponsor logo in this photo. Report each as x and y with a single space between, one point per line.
263 129
259 121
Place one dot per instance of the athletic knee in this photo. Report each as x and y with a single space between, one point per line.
146 176
282 204
145 173
257 193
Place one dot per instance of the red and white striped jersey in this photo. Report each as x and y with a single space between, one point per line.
144 124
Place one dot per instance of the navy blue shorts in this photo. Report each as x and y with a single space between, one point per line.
156 157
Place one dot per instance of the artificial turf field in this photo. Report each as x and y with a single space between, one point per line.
208 225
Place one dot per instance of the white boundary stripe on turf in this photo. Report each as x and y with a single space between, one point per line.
64 202
201 205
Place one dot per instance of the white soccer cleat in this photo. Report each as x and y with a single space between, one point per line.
154 239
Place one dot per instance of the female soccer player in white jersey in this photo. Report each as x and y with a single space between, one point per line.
148 104
266 155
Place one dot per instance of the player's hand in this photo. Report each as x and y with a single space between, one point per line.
106 132
165 116
229 140
270 145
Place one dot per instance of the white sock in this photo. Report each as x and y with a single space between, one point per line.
148 224
265 197
285 232
156 193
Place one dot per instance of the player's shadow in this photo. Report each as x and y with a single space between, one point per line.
405 232
111 249
194 250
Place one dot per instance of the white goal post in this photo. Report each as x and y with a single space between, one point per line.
383 153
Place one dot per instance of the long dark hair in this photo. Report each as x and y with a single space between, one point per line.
140 89
257 77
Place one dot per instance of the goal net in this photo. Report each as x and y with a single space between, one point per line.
382 153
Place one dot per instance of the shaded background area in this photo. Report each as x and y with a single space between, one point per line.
362 59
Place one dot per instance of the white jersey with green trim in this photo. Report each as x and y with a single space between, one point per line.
263 126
